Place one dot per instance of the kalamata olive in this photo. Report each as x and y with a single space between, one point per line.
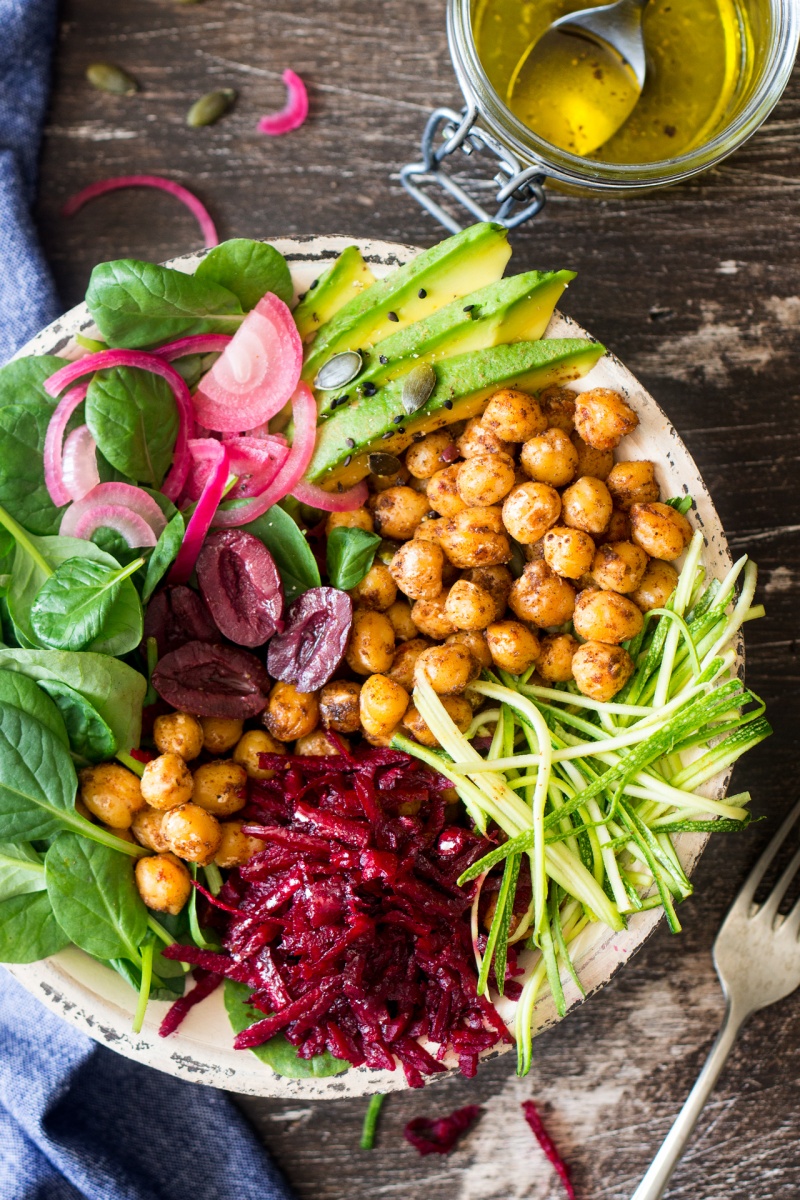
177 615
210 680
313 642
241 585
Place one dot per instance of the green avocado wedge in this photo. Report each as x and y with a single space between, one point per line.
344 279
460 264
515 309
463 385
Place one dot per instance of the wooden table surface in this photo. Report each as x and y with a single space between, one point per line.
698 291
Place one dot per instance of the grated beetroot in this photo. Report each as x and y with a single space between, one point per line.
440 1136
206 982
546 1142
349 926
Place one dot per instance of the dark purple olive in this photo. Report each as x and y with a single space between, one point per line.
314 640
212 681
241 585
177 615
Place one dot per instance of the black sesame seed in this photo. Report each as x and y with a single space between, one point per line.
302 296
369 389
448 404
350 442
468 307
401 429
383 359
396 420
389 433
393 316
313 285
422 293
340 487
348 460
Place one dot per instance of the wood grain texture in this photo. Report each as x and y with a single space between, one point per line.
698 290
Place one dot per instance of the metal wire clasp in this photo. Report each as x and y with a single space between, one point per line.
460 132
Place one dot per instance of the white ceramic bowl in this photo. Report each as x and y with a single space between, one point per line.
96 1000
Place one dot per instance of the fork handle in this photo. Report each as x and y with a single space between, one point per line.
660 1171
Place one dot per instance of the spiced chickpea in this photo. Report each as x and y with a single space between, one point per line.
477 438
617 530
656 585
163 883
448 669
586 505
338 706
370 648
424 458
558 406
178 733
530 510
236 847
569 552
475 642
513 416
429 530
376 590
380 483
220 787
606 617
399 615
248 750
534 551
146 828
485 479
496 580
357 518
601 671
550 458
318 745
632 482
470 606
220 734
619 566
383 704
166 781
431 619
192 833
512 645
661 531
476 538
597 463
417 569
289 713
398 511
442 491
603 419
542 597
112 793
405 659
458 709
556 652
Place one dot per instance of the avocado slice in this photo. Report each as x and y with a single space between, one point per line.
345 278
463 385
514 309
454 267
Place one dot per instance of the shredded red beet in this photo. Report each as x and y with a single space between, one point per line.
546 1142
142 756
349 925
205 983
440 1136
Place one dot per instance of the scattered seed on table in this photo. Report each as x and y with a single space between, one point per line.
108 77
209 108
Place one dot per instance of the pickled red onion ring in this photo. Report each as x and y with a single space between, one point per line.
128 524
195 206
117 495
196 343
294 112
201 518
317 497
255 462
79 472
54 443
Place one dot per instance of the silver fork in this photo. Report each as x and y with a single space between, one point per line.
757 957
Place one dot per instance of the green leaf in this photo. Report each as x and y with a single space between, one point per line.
22 692
349 555
133 417
22 488
287 544
21 870
249 270
114 543
29 930
140 304
72 607
94 897
164 555
22 381
278 1053
168 984
37 779
89 735
681 504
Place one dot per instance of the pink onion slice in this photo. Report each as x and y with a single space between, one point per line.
133 528
79 472
255 462
317 497
105 360
196 208
117 495
54 441
304 415
294 112
197 343
257 373
200 520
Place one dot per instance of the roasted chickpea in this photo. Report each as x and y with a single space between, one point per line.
399 615
235 847
602 418
178 733
617 530
146 828
458 709
496 580
448 669
606 617
220 787
470 606
192 833
597 463
514 416
542 597
382 705
586 505
601 671
619 566
530 510
485 479
319 745
166 781
357 518
429 530
124 835
248 750
424 458
550 458
376 590
512 646
656 585
289 713
220 734
398 511
370 648
478 438
475 538
569 552
417 569
558 406
632 482
112 793
405 658
554 663
338 706
661 531
163 883
535 551
442 491
380 483
431 619
475 642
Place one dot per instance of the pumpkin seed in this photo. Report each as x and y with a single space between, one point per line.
209 108
417 387
387 550
107 77
384 464
338 371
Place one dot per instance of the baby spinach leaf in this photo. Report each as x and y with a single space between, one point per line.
167 984
248 269
25 693
349 555
89 735
94 897
133 417
22 487
140 304
22 381
287 544
37 779
29 930
21 870
164 554
114 544
73 606
278 1053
